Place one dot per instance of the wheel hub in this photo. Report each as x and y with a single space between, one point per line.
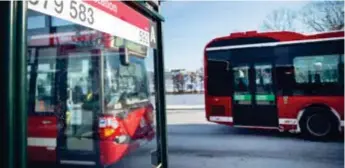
318 125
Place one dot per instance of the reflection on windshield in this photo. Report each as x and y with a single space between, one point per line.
124 84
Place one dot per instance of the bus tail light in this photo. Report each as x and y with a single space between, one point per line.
108 127
107 132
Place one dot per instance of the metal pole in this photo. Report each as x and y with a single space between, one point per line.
21 85
7 43
160 98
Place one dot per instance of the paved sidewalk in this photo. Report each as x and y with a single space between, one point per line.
185 107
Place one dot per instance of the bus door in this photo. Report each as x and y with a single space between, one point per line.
264 107
254 100
78 87
42 121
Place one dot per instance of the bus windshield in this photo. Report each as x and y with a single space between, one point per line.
125 85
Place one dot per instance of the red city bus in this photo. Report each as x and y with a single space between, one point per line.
277 80
89 98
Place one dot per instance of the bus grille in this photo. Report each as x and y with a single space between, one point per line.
217 110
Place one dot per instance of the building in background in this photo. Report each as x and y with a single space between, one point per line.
181 81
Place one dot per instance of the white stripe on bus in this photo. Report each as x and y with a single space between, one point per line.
288 121
272 44
221 118
257 127
41 142
59 35
78 162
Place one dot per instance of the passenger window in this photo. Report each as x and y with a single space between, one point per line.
241 85
79 76
45 69
241 79
264 86
219 78
316 69
263 79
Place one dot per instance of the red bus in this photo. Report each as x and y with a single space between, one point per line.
277 80
89 98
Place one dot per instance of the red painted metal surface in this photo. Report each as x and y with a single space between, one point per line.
40 130
41 154
220 101
137 126
110 152
296 103
37 128
279 36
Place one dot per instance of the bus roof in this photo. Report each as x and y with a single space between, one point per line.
253 37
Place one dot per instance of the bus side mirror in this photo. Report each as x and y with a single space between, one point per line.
124 56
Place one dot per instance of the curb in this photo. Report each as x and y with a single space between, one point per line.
184 107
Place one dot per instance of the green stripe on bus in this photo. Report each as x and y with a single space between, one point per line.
269 97
243 97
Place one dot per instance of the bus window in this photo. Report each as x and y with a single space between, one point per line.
285 78
44 81
79 78
125 85
241 79
263 79
241 85
219 77
317 75
316 69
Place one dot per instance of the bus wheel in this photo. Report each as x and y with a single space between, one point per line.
318 124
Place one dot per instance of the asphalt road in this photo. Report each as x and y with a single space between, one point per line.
195 143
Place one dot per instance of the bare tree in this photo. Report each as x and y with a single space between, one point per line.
280 20
324 15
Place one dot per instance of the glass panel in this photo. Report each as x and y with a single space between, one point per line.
285 79
60 22
264 88
44 86
316 69
44 70
79 115
127 82
219 77
241 85
35 22
64 78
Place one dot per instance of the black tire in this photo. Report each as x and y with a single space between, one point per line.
319 124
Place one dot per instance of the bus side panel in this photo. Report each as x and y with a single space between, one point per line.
111 152
290 107
138 125
42 134
218 109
